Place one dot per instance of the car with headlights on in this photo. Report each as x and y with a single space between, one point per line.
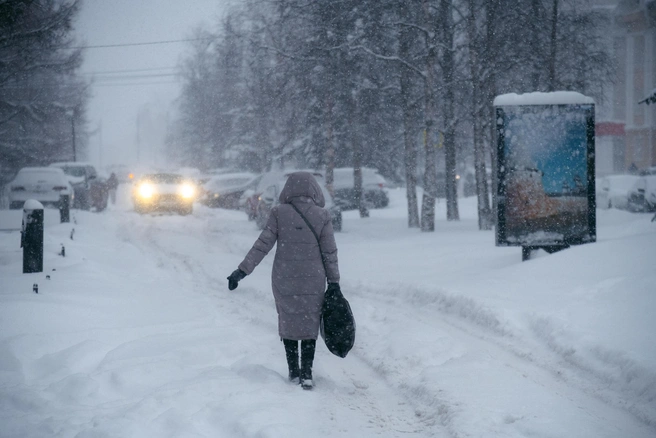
48 185
164 192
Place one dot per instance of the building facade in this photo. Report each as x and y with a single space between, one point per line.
626 128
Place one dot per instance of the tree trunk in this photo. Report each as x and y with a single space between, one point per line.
490 88
410 165
536 45
553 44
430 182
478 113
330 146
430 176
357 159
410 148
448 68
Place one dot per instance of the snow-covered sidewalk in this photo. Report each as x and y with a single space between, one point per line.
135 333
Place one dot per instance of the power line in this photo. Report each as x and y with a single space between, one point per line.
149 43
142 76
110 84
137 70
53 86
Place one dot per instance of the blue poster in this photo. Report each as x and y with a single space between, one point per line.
545 191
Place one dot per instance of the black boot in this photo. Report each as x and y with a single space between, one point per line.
307 358
291 351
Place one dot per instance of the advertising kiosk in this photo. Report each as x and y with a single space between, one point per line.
545 183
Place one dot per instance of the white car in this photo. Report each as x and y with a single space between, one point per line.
90 188
374 188
613 191
268 190
643 195
48 185
225 191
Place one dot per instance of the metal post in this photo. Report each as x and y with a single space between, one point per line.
526 253
64 209
73 134
32 237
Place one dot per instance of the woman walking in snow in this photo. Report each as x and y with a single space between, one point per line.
302 265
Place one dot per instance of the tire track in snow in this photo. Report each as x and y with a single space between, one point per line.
385 407
432 408
562 362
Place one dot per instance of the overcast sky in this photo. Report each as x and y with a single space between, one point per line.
115 103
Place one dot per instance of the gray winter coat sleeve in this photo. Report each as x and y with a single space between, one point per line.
262 245
329 250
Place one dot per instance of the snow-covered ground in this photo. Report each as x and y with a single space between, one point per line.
135 333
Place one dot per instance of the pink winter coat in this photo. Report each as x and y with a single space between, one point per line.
298 277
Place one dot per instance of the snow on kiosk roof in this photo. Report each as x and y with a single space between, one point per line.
538 98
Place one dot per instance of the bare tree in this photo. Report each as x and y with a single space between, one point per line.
430 86
447 30
42 99
406 40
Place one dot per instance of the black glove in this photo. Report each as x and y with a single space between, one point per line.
234 278
333 287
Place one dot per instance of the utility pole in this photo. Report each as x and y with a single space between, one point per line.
73 132
100 145
72 114
138 137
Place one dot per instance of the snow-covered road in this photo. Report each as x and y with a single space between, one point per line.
137 335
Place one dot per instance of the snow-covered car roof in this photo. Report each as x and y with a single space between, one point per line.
280 176
230 180
343 177
71 164
539 98
274 176
75 170
42 169
165 178
620 182
647 183
29 173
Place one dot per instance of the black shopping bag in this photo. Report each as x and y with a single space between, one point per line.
337 323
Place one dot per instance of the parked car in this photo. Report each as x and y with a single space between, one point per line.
48 185
164 192
224 191
90 189
613 191
266 194
374 188
121 171
249 199
643 195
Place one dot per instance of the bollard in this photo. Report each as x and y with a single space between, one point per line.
64 209
32 237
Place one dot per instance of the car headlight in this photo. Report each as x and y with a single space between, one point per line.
146 190
187 191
